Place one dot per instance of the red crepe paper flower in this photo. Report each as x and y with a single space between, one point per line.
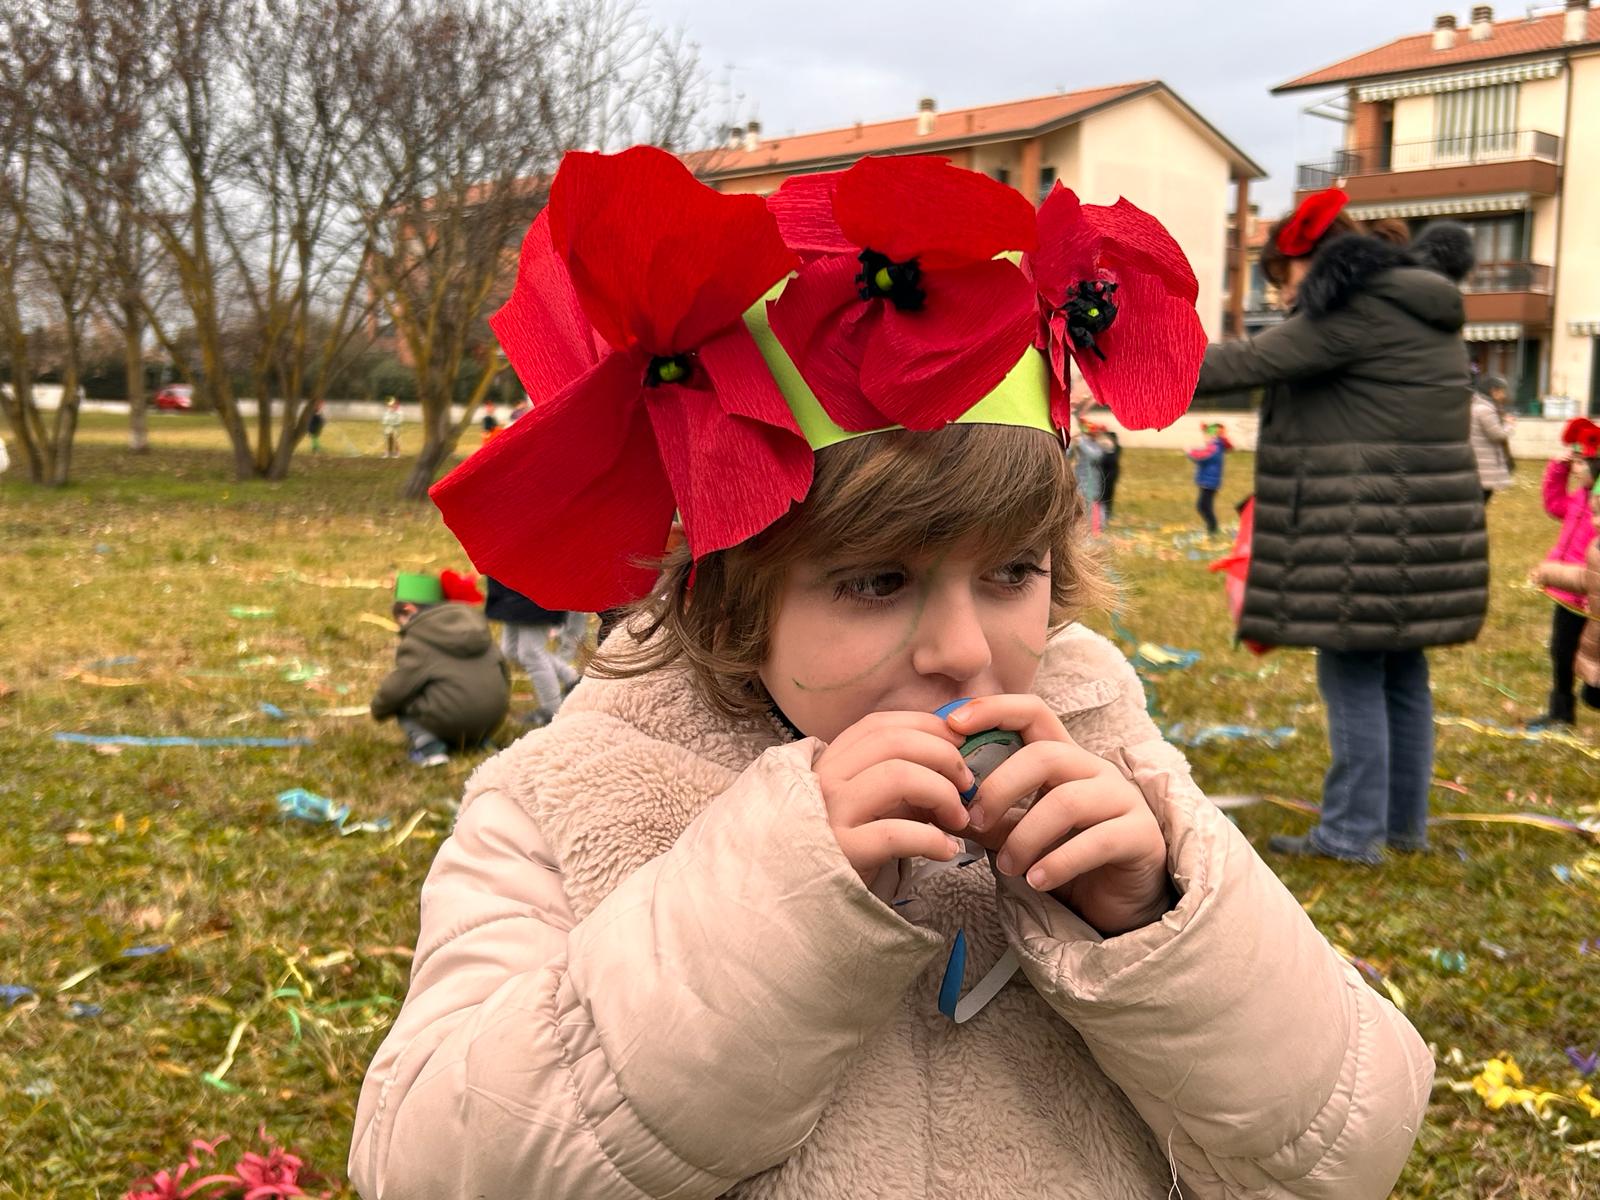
902 314
650 394
1584 434
1117 295
1300 234
461 589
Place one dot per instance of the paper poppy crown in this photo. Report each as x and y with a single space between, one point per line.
421 587
688 352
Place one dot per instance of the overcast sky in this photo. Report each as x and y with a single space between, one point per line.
815 64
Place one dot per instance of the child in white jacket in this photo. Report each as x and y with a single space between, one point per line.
742 920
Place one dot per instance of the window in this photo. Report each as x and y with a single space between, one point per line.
1047 180
1476 122
1002 175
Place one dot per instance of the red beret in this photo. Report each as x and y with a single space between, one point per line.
1300 234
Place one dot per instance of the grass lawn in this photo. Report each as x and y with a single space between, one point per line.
158 597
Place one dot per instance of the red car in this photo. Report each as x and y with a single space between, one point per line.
175 397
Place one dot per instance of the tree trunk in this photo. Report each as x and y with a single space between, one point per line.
441 436
436 446
66 420
133 375
20 412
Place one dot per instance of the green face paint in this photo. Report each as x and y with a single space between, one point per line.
873 668
1036 655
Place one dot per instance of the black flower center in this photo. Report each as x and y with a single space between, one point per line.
897 282
673 368
1089 311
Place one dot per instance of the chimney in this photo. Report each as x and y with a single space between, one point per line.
1577 27
925 112
1444 31
735 137
1482 22
752 136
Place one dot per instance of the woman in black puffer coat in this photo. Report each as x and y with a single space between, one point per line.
1369 525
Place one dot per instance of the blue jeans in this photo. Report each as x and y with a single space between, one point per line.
1380 740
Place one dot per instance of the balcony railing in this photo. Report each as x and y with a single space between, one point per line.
1521 145
1508 277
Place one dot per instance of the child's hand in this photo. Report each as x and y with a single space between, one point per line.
887 781
1090 839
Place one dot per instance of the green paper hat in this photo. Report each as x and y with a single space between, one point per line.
413 587
1022 397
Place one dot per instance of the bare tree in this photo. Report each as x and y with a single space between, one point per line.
295 245
49 220
476 100
23 71
116 41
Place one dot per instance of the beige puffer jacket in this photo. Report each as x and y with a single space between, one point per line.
646 970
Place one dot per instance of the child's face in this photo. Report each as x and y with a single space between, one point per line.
854 638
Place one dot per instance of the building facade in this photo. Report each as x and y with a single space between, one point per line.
1138 140
1495 124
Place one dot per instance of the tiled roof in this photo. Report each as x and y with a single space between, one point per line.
1409 55
956 127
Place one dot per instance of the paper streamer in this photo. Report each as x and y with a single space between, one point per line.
300 805
1202 735
1553 824
128 739
1546 736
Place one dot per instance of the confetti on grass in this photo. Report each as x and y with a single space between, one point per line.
297 804
1571 1117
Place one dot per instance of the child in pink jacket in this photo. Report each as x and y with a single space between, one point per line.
1566 498
743 920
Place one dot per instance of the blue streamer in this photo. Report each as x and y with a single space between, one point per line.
950 988
128 739
1182 735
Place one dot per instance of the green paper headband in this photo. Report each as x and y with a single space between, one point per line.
411 587
1022 397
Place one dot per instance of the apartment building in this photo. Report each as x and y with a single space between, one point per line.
1139 140
1495 123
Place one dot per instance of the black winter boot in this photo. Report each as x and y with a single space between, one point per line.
1561 712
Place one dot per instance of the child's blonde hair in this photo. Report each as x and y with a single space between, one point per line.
994 489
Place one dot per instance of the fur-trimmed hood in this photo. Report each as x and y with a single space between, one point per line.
1350 266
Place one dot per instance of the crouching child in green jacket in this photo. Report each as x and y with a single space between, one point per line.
450 687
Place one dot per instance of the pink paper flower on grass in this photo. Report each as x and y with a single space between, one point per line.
1117 297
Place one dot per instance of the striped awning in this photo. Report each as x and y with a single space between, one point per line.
1443 207
1510 331
1547 68
1589 328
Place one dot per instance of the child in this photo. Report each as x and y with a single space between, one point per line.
1110 470
491 422
1584 579
450 687
390 423
525 633
1208 472
1566 485
315 426
689 939
1088 455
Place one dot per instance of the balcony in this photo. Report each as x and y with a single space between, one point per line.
1508 293
1527 161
